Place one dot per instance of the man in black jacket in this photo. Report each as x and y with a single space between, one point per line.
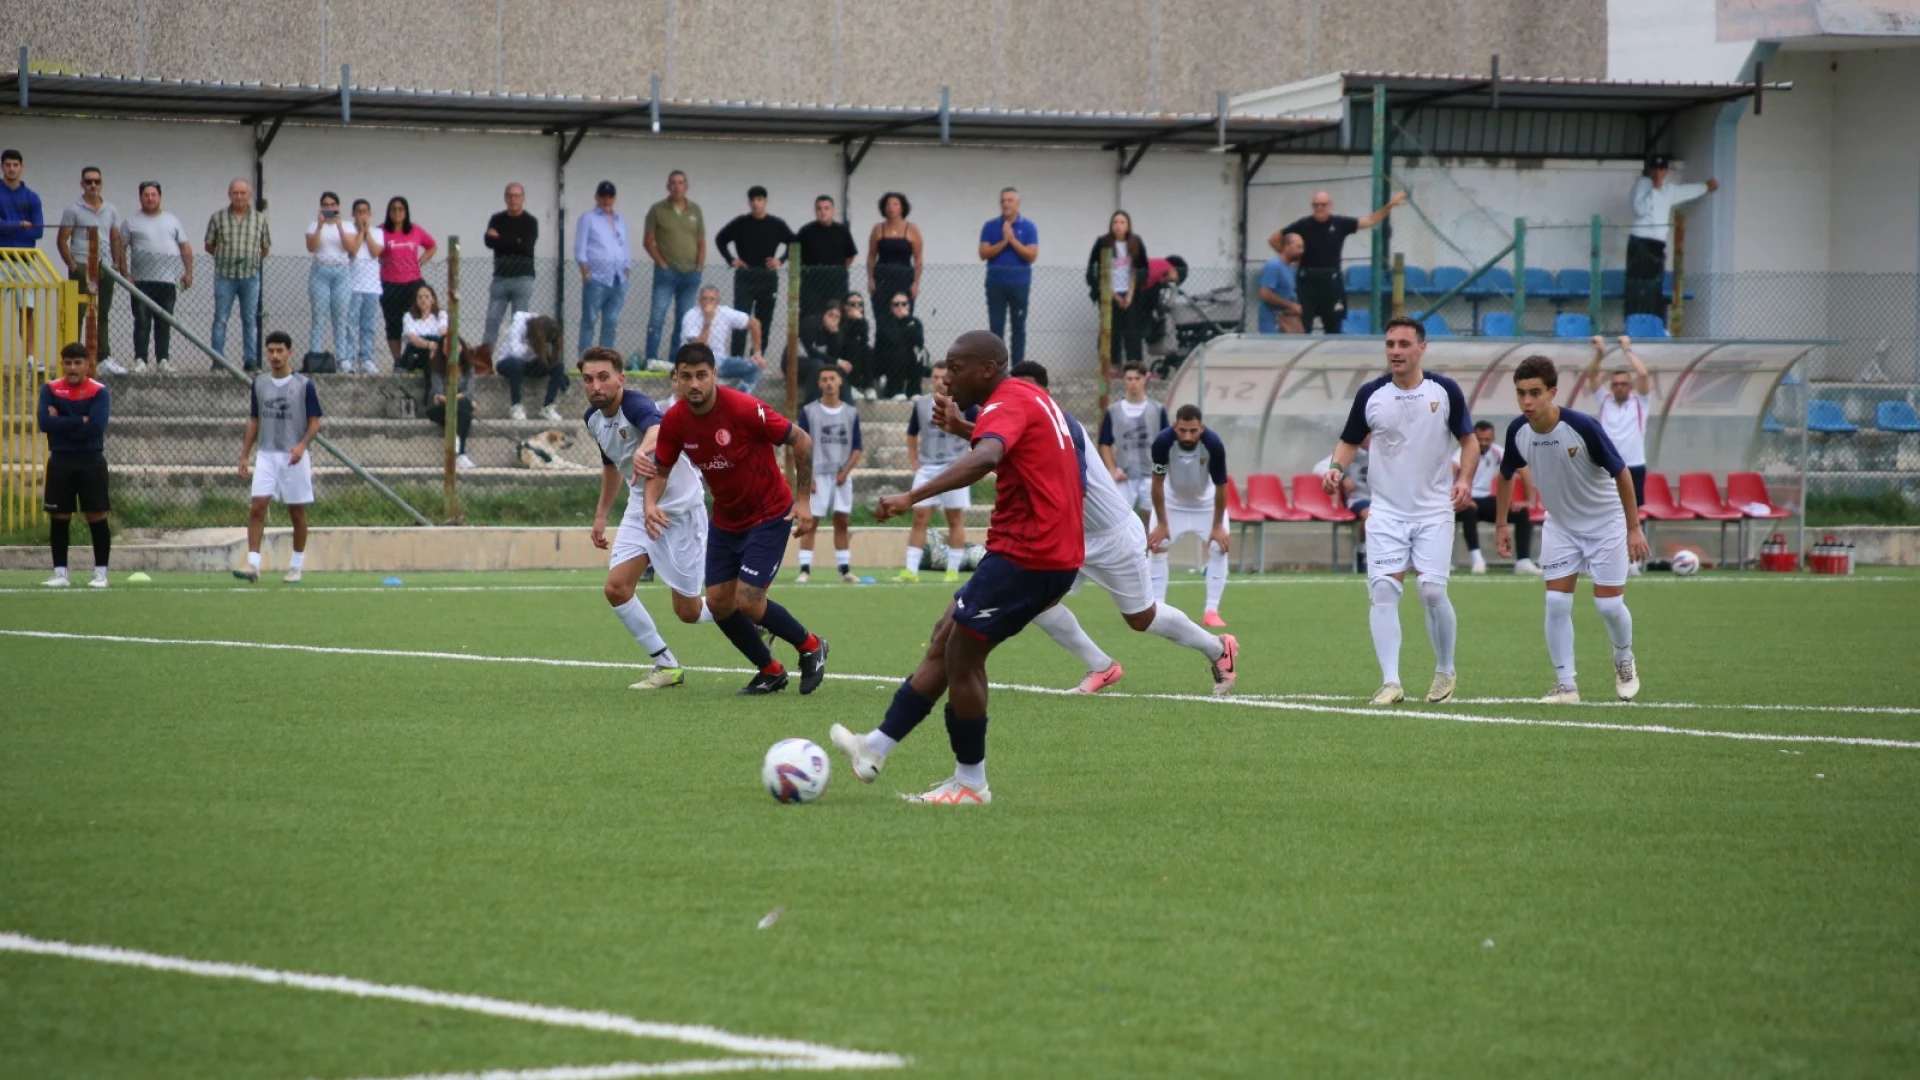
751 244
511 234
826 250
73 414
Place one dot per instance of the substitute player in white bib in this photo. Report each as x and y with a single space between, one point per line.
283 422
835 427
1116 560
1416 421
931 450
625 424
1190 499
1593 521
1127 432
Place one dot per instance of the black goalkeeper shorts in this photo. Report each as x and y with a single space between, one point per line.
80 478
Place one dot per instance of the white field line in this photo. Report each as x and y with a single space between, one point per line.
1880 710
776 1053
1277 703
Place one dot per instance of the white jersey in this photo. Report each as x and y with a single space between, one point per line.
1415 433
1105 507
1575 467
1192 476
1625 424
1482 476
619 437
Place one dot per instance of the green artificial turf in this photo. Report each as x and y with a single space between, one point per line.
1164 886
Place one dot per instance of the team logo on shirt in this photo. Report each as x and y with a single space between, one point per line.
1433 406
723 437
1573 452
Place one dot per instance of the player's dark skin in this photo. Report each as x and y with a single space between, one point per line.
956 664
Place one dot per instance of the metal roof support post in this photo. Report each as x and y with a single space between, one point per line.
20 77
1380 231
653 103
346 93
1593 276
1247 169
1520 278
946 118
1220 117
261 144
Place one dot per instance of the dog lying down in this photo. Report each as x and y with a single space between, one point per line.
543 451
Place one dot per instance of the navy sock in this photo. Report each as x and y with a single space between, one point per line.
740 630
62 535
968 738
102 542
781 623
906 712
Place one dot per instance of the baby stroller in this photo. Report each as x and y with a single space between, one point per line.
1183 321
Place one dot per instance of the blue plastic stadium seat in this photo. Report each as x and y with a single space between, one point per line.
1360 278
1643 325
1446 277
1437 326
1540 283
1356 322
1575 283
1418 281
1896 416
1827 418
1613 284
1771 425
1666 287
1572 324
1496 281
1497 324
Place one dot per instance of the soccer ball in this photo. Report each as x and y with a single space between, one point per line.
795 771
937 553
971 559
1686 563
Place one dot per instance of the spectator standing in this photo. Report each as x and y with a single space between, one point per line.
1653 203
676 238
899 349
1323 292
1483 507
1280 289
22 221
532 346
751 244
423 330
713 324
1008 245
826 251
332 243
463 396
1623 407
160 258
856 346
605 255
239 241
894 262
88 214
363 277
404 249
73 412
283 420
511 236
1130 271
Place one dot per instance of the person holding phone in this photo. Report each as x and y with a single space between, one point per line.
332 242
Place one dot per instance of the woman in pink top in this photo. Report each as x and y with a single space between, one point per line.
405 248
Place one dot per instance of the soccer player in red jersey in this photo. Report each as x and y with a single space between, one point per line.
1035 542
729 436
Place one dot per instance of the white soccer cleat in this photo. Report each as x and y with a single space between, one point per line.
849 578
293 576
865 763
250 575
1442 688
1479 564
1626 679
1526 566
551 413
660 679
951 792
1561 694
518 412
805 575
58 581
99 580
1389 694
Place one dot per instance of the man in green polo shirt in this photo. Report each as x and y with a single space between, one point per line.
677 241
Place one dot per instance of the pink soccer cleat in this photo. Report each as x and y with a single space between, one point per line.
1224 669
1212 620
1097 681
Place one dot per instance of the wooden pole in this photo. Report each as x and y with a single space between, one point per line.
91 333
451 346
1677 314
1399 283
793 330
1107 357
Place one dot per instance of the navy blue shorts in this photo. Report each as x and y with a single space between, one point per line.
752 556
1001 598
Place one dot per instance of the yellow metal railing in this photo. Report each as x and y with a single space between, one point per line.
39 310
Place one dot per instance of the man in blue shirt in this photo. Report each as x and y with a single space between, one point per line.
600 247
21 219
1008 245
1279 292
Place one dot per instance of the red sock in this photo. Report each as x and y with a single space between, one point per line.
773 668
812 643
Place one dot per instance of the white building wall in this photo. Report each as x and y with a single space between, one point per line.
1671 41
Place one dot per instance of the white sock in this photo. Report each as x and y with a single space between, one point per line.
60 571
913 559
974 775
881 743
1216 576
1157 571
806 558
298 561
844 559
1479 560
253 559
99 572
640 625
1441 625
1560 636
1383 618
706 613
1613 612
1174 625
1065 631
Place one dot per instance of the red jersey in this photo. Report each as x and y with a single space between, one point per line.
733 447
1038 491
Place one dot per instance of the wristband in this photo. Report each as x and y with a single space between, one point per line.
1339 468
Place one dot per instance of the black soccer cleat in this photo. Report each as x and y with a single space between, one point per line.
764 683
813 667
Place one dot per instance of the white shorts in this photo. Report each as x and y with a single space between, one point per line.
1395 544
274 477
1562 554
831 498
950 500
1188 523
1116 560
679 557
1139 491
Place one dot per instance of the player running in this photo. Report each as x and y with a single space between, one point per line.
931 450
835 429
729 436
1593 521
1416 420
626 425
1190 499
1116 560
1127 432
1034 545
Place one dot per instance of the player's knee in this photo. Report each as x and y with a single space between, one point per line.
1385 591
1140 620
1433 593
686 608
618 592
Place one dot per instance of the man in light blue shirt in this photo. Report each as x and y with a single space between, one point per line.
1008 245
600 247
1279 289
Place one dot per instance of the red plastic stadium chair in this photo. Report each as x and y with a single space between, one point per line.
1535 513
1749 489
1239 514
1700 494
1268 494
1660 505
1312 499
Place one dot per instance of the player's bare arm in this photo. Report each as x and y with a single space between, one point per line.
1502 499
913 452
246 448
299 450
1157 536
1336 473
1220 536
1591 377
644 465
1469 461
1642 378
800 450
971 467
609 485
1637 547
657 521
1113 467
846 471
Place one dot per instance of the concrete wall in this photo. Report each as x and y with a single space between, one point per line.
1671 41
1055 54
